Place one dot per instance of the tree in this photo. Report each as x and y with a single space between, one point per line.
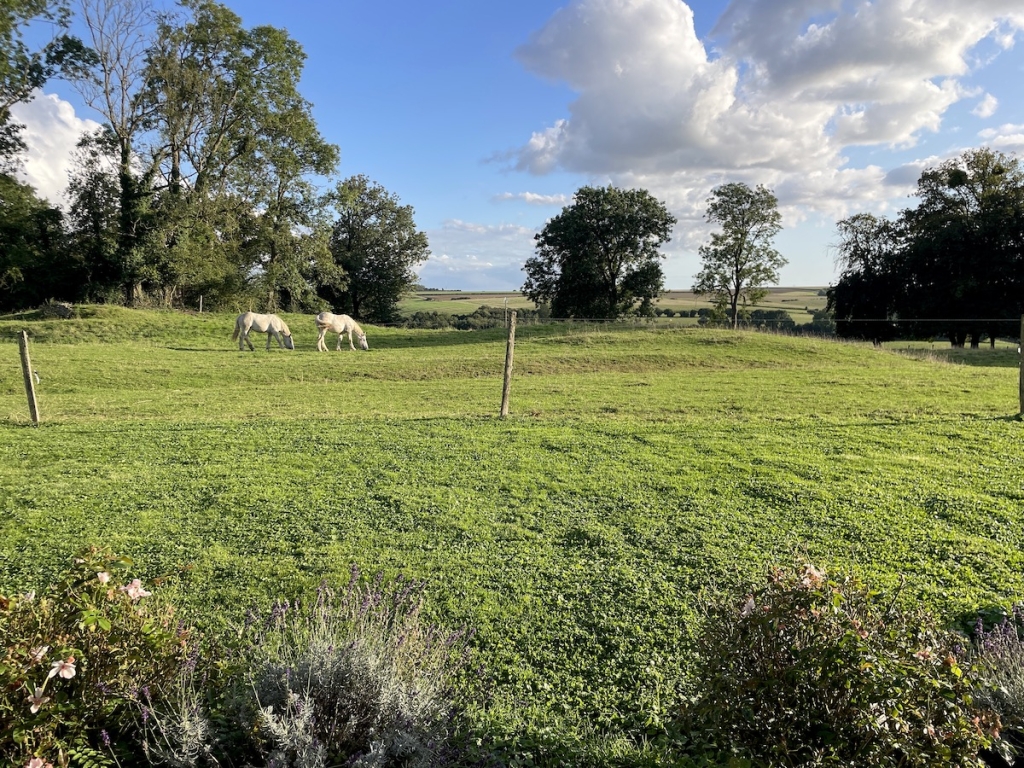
118 34
375 245
740 260
33 257
867 298
964 258
93 215
599 257
214 147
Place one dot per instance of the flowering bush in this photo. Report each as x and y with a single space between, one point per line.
811 671
74 661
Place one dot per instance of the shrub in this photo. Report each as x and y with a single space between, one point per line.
354 679
999 657
76 660
810 671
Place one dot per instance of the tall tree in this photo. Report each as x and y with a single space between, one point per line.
118 32
215 148
954 265
375 245
867 298
599 257
740 260
93 215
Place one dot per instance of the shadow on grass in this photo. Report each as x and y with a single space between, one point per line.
977 358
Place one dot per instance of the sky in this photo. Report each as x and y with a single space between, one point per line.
486 117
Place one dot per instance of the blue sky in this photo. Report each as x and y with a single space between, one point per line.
486 117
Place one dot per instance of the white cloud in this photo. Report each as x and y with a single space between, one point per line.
477 256
1006 138
986 107
52 129
788 89
533 198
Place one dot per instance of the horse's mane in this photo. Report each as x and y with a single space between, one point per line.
284 327
356 328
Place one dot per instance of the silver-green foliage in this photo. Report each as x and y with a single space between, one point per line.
357 677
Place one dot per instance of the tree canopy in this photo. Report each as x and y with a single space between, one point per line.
375 245
600 256
740 261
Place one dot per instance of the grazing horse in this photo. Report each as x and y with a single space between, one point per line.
272 325
339 324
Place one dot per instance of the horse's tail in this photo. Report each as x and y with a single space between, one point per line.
235 334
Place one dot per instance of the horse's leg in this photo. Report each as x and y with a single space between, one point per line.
320 346
351 345
245 335
340 337
272 332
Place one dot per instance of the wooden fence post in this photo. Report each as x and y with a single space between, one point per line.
26 369
509 350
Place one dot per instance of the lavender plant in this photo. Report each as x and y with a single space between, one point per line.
999 658
355 677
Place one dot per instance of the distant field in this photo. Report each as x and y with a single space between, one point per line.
641 470
799 302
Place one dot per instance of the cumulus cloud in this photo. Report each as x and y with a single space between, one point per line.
52 129
477 256
1007 138
787 90
533 198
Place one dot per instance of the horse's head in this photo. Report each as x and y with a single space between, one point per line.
288 343
362 342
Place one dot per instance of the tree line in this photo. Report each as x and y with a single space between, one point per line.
953 266
199 181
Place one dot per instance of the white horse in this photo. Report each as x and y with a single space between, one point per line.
272 325
339 324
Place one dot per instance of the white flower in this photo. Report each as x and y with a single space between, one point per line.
103 576
135 590
37 700
66 669
748 607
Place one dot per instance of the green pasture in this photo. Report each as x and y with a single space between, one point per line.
799 302
642 470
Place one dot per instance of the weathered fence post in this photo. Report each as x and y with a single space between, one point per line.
30 385
200 303
509 350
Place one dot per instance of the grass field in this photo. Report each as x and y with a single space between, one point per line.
640 469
